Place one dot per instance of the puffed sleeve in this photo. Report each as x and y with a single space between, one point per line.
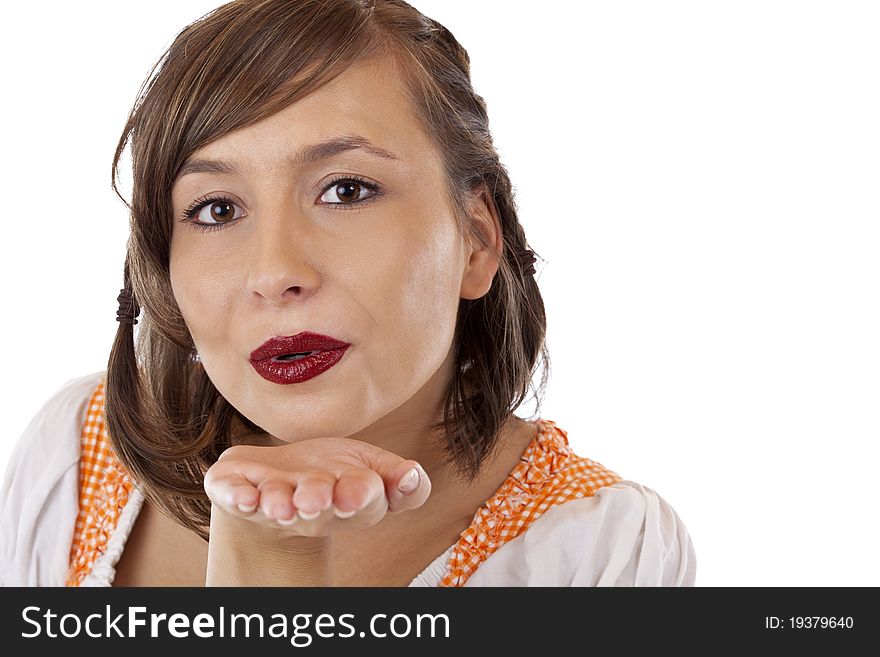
39 498
623 535
630 536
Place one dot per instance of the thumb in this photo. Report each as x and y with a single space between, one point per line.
407 485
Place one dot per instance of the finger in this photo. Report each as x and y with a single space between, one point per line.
233 493
314 494
356 489
407 487
276 500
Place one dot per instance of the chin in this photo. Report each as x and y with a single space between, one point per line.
292 428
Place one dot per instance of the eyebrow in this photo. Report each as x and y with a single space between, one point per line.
308 155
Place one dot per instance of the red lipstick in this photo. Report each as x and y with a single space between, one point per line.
297 358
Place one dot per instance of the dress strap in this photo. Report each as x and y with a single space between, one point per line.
104 489
548 473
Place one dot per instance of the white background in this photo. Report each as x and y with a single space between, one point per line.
701 178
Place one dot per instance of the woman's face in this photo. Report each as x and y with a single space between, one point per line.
348 243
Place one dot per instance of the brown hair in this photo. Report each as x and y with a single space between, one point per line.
236 65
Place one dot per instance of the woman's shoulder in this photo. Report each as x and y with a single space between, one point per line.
39 490
52 435
625 534
587 526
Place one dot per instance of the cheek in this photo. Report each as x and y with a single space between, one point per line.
426 296
201 294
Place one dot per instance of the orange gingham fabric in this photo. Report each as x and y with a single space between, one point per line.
104 489
548 473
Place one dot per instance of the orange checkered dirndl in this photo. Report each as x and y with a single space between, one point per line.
548 473
104 489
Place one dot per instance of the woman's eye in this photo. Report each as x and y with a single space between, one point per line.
215 212
347 192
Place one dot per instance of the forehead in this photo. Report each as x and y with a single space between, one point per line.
367 99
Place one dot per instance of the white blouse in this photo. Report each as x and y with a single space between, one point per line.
623 535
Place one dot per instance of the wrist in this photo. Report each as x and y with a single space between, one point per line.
242 553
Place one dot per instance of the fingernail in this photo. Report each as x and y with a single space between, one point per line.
305 515
244 508
409 482
288 521
343 514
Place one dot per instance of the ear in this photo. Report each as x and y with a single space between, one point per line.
482 264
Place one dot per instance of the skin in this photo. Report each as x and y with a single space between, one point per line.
385 275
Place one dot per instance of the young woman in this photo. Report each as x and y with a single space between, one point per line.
337 316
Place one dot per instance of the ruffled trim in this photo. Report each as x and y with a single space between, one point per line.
105 489
548 473
104 568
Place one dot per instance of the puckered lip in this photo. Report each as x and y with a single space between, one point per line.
295 344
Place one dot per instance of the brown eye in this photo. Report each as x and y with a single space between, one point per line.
349 192
212 213
221 211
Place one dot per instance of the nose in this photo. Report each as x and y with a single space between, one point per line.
280 268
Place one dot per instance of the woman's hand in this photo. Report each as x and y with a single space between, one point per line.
315 487
275 508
